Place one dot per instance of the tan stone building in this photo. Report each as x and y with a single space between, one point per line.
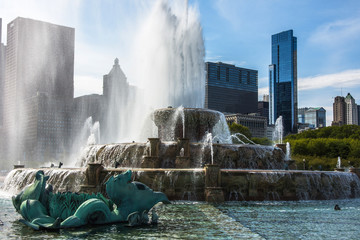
256 124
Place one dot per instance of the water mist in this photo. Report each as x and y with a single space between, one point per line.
168 53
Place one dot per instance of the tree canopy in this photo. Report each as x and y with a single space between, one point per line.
335 132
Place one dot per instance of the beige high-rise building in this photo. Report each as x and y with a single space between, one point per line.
339 111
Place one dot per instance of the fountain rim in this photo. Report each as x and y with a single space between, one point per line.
187 109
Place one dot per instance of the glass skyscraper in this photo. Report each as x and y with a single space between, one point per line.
231 89
283 80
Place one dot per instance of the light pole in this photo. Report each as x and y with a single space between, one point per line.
304 162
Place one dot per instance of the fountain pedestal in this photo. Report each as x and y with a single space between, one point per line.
182 162
282 146
152 159
183 143
93 178
154 147
290 164
150 162
183 158
213 190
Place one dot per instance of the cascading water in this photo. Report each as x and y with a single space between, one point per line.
278 131
173 121
221 132
206 143
62 180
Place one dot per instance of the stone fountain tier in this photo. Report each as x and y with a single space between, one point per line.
193 155
197 123
196 184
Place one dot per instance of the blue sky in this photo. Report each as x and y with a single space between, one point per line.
235 31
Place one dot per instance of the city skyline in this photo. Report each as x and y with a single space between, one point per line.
235 32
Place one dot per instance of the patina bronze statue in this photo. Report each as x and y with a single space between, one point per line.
129 201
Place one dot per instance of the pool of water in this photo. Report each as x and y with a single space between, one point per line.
199 220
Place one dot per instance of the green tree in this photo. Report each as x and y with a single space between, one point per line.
262 141
238 128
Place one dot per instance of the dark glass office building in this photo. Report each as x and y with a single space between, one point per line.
231 89
283 80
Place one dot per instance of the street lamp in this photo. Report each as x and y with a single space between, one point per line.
304 162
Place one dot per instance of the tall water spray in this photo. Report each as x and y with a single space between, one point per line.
288 153
338 164
89 135
279 130
168 53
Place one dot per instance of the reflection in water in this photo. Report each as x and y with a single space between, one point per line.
231 220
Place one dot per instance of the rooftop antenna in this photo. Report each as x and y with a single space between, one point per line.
341 92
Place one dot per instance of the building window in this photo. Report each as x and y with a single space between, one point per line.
240 80
218 72
227 74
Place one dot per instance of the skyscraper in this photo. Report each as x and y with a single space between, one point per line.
39 62
312 117
283 80
231 89
119 99
351 110
263 107
2 74
339 111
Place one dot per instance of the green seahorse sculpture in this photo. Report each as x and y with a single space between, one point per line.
43 209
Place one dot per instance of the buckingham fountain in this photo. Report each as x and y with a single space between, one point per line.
188 155
185 152
193 158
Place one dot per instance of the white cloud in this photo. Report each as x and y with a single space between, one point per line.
229 10
263 81
337 32
86 84
44 10
262 91
348 78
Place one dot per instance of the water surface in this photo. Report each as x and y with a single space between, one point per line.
199 220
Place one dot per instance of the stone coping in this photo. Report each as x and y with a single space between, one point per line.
277 170
187 170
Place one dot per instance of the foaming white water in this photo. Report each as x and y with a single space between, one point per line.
61 179
221 132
